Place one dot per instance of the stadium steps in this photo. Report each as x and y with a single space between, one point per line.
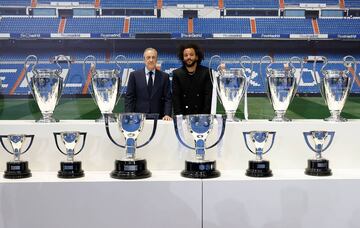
97 3
33 3
281 4
87 83
253 25
190 25
352 71
126 27
315 26
62 24
159 4
221 4
18 81
342 4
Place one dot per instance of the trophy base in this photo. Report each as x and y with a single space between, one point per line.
259 169
47 120
202 170
318 168
130 169
70 170
280 119
335 119
230 117
17 170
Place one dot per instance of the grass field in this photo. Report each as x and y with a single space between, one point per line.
259 108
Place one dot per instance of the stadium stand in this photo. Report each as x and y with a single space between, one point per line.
128 4
284 26
158 25
201 2
352 3
297 2
261 4
94 25
223 25
29 25
15 3
339 26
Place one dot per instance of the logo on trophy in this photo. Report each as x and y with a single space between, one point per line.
70 139
130 125
105 85
231 83
17 168
335 86
281 82
199 126
259 141
46 85
318 166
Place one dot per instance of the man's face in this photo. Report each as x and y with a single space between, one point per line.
189 57
150 59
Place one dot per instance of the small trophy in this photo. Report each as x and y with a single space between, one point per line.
46 86
130 124
259 139
281 84
200 126
335 86
231 82
17 169
105 85
318 166
70 168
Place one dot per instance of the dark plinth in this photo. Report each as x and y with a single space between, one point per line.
130 169
205 169
259 169
70 170
17 170
318 167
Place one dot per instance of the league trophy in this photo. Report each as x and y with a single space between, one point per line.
130 125
318 166
70 168
231 83
199 126
17 168
46 85
335 86
281 83
105 85
259 139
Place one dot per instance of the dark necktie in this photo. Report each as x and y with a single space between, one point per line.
150 83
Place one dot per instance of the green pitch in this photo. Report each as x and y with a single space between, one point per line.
259 108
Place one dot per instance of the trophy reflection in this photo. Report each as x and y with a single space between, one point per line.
335 86
281 83
259 140
105 85
231 83
46 85
70 168
17 168
318 166
130 125
199 126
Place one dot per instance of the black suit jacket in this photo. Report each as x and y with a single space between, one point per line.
137 98
192 94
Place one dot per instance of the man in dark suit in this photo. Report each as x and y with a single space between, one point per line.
191 84
148 89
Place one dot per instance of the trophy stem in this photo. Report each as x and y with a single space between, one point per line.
335 117
318 156
280 117
47 118
70 155
111 118
230 116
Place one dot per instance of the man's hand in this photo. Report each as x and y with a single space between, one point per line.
167 118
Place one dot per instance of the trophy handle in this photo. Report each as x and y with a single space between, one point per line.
273 133
178 134
223 119
155 118
83 144
56 61
298 79
264 78
248 78
26 136
347 63
307 134
213 76
92 60
245 134
323 72
3 144
56 134
106 117
117 62
34 62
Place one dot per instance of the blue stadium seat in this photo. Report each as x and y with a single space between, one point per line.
94 25
261 4
352 3
202 2
15 2
158 25
144 4
222 25
339 26
29 25
297 2
284 26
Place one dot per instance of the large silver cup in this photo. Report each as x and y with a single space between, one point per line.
231 83
335 86
199 126
318 166
17 168
105 85
46 85
130 125
259 140
281 84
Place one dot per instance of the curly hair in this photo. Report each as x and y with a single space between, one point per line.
196 48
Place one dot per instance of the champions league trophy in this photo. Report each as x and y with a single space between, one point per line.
105 85
17 169
259 139
199 126
335 86
281 85
318 166
130 167
70 168
231 83
46 85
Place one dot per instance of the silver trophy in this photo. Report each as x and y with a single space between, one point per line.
281 83
105 85
335 86
17 168
318 166
231 82
70 168
199 126
46 85
259 140
130 125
